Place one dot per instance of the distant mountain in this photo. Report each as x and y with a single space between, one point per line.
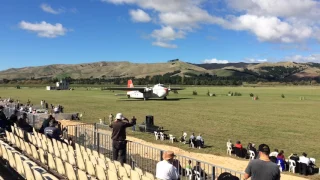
100 70
109 70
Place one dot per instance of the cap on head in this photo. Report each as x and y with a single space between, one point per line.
264 148
168 155
119 116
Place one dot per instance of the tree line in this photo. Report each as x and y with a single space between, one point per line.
178 78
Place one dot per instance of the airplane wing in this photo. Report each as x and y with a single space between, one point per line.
126 88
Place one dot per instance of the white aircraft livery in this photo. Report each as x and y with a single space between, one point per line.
157 91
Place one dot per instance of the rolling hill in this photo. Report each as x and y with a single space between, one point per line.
109 70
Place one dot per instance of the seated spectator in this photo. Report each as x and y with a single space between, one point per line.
239 151
192 140
14 117
2 115
198 169
53 132
46 123
274 153
295 158
281 155
238 145
188 169
273 159
304 164
22 123
199 141
183 137
253 148
165 169
12 120
56 110
188 166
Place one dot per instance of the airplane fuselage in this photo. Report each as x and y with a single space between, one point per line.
158 91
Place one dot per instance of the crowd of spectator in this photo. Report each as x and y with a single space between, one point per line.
297 164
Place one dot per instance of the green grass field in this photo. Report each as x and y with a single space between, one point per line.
286 123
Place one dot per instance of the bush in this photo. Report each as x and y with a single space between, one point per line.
194 93
251 95
237 94
282 95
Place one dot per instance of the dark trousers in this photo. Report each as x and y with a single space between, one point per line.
119 150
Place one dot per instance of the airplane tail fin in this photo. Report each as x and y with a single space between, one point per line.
130 84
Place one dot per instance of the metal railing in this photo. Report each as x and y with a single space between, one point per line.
145 157
97 137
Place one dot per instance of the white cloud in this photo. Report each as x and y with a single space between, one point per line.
164 45
214 60
44 29
282 21
270 28
279 8
139 16
252 60
304 59
47 8
167 33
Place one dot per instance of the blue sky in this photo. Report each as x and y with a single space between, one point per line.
36 32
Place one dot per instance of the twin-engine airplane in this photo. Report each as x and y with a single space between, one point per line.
157 91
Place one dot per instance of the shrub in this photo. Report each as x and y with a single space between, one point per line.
251 95
194 93
282 95
237 94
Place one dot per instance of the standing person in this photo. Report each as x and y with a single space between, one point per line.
262 168
134 122
41 102
119 143
165 169
47 105
110 118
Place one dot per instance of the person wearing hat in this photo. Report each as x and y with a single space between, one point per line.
165 169
119 143
262 168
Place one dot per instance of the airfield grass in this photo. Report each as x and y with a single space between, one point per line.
289 124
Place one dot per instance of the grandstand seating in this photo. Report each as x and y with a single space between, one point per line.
39 157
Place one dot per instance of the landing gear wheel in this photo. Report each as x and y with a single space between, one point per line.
165 98
144 99
128 96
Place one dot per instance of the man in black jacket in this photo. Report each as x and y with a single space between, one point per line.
119 143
